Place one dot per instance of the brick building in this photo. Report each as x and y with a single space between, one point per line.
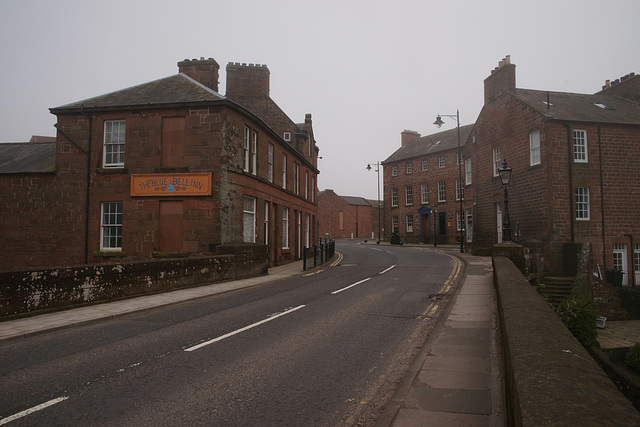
423 177
575 170
347 216
166 168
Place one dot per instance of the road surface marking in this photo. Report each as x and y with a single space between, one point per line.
382 272
32 410
336 262
246 328
350 286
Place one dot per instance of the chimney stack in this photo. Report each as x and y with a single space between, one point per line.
247 80
502 78
408 136
204 71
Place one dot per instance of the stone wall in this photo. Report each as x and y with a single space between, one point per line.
550 377
28 291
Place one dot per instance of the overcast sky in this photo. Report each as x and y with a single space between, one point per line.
366 70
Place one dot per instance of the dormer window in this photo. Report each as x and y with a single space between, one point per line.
287 136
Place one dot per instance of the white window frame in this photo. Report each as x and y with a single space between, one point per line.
287 136
408 195
111 226
246 147
409 168
441 161
442 191
467 171
313 188
285 227
497 161
582 204
284 171
394 223
534 148
270 167
296 178
249 219
459 189
409 223
306 185
114 143
580 146
394 197
424 194
254 153
394 170
425 164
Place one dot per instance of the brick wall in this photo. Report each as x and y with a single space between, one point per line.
432 176
542 197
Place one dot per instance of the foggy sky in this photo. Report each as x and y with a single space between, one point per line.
365 70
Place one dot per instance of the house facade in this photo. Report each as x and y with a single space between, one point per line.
168 168
423 191
575 171
347 216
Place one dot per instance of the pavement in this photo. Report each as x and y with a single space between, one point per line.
456 379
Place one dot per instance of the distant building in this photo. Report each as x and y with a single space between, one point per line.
165 168
423 176
347 216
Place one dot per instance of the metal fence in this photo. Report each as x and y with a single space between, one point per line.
319 254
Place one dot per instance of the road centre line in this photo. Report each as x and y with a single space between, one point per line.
384 271
32 410
350 286
246 328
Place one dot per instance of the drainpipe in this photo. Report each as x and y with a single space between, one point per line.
604 246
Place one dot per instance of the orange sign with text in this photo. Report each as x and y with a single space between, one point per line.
171 184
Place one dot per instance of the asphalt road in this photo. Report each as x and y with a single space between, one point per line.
326 348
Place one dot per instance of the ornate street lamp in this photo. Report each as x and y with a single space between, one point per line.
378 171
439 123
505 179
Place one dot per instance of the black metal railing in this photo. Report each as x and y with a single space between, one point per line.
320 253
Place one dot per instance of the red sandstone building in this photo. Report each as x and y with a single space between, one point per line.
422 188
575 171
166 168
347 216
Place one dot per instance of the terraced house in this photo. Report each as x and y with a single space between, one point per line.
167 168
575 171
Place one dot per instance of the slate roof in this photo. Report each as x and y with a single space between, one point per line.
27 157
429 144
598 108
355 201
176 89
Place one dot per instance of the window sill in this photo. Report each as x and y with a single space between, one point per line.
113 170
110 254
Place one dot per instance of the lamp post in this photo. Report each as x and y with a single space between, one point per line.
439 123
378 171
435 225
505 178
